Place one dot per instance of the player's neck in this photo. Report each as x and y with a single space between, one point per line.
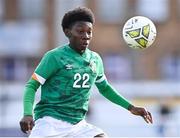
77 50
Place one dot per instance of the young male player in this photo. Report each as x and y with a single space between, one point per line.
66 75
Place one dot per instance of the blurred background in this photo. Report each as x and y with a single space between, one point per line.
149 78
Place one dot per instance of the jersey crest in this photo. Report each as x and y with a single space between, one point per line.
92 65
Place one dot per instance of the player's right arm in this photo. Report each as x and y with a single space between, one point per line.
44 70
27 122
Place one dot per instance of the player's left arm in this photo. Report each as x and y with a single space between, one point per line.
111 94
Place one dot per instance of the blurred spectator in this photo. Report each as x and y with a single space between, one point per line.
165 112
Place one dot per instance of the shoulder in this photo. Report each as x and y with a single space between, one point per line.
56 51
94 54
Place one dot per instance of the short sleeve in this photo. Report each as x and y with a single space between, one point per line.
47 67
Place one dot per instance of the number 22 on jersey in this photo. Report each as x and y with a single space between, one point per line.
77 79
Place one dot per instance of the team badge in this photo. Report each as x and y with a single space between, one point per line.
92 65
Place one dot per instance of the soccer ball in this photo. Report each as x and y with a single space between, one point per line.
139 32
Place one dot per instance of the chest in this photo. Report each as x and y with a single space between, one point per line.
71 66
77 72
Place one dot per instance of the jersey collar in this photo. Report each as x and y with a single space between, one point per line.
84 55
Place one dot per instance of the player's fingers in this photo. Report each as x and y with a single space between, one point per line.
31 125
24 126
150 117
145 118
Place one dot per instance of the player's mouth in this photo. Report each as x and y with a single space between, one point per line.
84 45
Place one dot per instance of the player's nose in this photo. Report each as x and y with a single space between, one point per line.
86 36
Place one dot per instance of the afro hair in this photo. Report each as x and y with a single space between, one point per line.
77 14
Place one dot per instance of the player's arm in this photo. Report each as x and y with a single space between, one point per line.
26 122
111 94
44 70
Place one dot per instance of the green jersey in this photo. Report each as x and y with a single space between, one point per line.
66 78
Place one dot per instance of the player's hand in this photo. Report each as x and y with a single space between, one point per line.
26 124
142 112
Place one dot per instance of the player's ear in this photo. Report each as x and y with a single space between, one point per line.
67 32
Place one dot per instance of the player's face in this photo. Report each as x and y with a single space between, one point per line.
80 35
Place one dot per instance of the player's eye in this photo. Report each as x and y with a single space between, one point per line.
80 31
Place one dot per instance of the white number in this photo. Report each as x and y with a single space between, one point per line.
85 80
77 78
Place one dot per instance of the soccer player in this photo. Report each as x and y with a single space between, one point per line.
66 75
